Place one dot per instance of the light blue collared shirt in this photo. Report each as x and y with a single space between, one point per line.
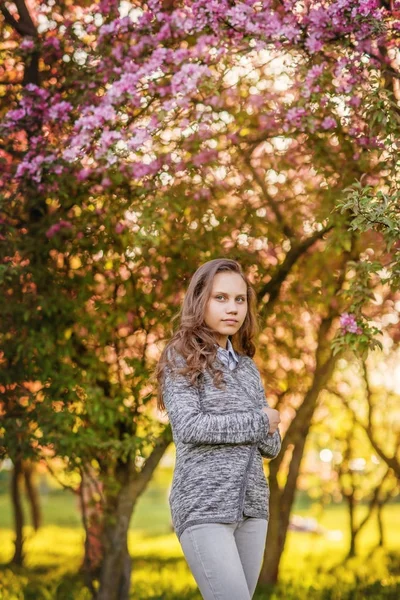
228 355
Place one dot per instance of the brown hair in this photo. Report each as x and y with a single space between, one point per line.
193 339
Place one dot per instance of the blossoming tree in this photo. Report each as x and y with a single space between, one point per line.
139 137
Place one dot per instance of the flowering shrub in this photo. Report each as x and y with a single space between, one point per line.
141 143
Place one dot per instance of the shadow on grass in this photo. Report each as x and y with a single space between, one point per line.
157 561
40 583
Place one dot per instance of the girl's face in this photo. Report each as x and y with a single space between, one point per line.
228 300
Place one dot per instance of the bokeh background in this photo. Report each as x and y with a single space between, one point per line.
137 141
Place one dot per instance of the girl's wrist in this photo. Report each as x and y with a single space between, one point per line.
266 420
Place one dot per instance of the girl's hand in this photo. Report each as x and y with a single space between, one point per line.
274 418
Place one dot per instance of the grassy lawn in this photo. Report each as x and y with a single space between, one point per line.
311 566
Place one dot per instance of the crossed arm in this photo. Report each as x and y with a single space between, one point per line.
193 426
270 446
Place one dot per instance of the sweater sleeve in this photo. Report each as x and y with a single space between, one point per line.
270 445
193 426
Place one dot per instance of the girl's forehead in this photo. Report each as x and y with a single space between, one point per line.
228 275
229 282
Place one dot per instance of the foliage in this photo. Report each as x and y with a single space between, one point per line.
378 210
310 561
146 142
312 568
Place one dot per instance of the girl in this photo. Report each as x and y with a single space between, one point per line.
222 426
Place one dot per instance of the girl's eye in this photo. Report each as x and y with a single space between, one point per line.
219 296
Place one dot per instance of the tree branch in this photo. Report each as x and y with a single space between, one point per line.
64 485
272 288
285 228
391 461
25 25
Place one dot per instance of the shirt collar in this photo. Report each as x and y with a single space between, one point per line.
228 350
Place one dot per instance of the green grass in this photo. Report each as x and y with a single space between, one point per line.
310 569
60 507
311 565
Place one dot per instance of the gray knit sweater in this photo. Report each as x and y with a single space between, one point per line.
220 438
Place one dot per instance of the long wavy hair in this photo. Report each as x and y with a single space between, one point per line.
194 340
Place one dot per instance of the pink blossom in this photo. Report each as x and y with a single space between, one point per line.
120 226
16 115
239 15
83 174
27 44
313 44
70 154
32 166
40 92
315 72
355 101
52 42
205 156
349 324
139 170
234 138
96 189
138 139
365 8
187 79
107 139
294 116
129 64
318 17
54 229
179 166
328 123
60 111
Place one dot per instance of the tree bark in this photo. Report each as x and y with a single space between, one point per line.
116 566
281 500
32 493
16 498
381 542
353 530
391 459
374 503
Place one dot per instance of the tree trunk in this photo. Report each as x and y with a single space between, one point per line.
381 542
16 498
353 530
32 493
115 571
280 509
116 565
89 493
281 500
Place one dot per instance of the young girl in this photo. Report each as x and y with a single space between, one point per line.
222 426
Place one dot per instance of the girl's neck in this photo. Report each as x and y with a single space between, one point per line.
222 341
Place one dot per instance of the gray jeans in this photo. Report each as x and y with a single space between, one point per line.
225 558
